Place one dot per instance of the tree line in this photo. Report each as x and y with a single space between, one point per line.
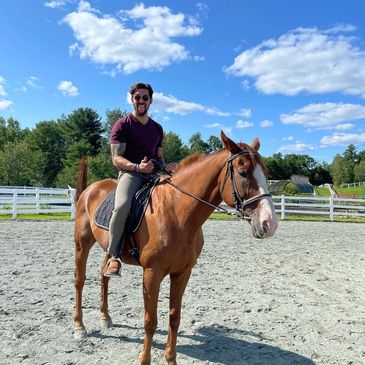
49 154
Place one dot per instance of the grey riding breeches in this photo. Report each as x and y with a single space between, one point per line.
128 185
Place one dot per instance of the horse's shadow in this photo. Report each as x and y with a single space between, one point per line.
223 345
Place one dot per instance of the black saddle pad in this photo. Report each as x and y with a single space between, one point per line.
141 200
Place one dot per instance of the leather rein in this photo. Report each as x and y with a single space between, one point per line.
240 204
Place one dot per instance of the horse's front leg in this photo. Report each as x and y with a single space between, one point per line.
177 287
105 320
152 278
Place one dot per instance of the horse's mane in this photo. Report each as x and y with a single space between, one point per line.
187 161
190 160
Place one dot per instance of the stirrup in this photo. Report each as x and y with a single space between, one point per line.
109 275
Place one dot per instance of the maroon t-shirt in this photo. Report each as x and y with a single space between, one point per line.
142 140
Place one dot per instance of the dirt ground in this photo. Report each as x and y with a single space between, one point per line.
296 298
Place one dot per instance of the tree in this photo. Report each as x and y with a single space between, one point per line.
111 117
173 148
196 144
83 132
20 166
214 144
359 171
10 131
339 171
47 137
320 175
277 167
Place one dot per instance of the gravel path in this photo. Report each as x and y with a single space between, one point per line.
297 298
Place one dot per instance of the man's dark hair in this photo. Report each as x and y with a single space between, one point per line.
141 85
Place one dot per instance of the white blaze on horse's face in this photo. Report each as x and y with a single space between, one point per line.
266 216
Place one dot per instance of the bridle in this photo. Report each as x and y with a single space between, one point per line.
240 204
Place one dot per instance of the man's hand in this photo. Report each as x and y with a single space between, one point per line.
146 166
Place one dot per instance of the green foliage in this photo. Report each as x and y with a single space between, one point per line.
173 148
101 166
111 117
48 139
214 144
20 166
359 171
197 145
83 132
290 189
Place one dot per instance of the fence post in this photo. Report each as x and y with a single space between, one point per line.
15 204
38 201
72 195
282 207
331 209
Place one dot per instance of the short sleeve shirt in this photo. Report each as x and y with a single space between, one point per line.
142 140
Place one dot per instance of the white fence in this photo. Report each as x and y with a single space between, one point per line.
16 200
319 206
353 184
45 200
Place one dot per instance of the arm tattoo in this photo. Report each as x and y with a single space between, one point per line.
118 149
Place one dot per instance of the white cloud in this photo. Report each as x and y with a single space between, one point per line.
243 124
214 125
289 138
325 116
55 4
244 113
344 127
343 139
68 89
170 104
294 148
2 86
266 123
146 43
33 82
305 60
224 128
5 104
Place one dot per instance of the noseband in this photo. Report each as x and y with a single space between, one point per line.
240 204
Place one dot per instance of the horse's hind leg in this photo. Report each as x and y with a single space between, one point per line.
178 284
84 240
105 320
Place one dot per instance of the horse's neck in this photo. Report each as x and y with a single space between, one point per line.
201 180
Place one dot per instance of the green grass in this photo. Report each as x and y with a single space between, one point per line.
359 191
38 217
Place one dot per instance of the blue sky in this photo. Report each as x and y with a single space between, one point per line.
291 72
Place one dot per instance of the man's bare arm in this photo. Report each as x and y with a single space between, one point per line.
119 161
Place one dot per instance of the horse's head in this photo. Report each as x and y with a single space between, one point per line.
243 185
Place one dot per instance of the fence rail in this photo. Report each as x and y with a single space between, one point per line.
330 206
15 201
25 200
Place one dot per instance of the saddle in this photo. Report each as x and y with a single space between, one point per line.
140 203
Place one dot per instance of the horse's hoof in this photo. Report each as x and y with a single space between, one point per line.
79 334
106 323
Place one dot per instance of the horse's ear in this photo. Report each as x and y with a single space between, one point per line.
229 144
255 144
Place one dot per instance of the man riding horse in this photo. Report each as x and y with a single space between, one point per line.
135 141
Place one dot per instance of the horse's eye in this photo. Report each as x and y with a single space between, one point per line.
243 173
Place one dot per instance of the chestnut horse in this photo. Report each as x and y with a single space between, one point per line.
170 237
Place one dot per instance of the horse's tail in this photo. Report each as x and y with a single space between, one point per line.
81 182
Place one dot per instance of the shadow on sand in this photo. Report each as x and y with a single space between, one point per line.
223 345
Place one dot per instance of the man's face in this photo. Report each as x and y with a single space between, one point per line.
141 102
